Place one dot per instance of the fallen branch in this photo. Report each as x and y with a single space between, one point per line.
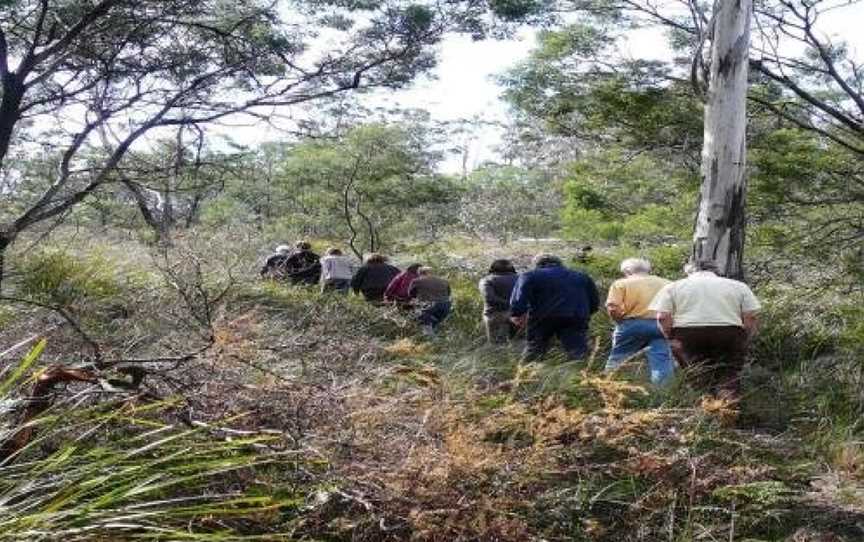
39 401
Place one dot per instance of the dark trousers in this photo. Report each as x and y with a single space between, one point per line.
712 356
336 285
433 314
571 332
374 295
499 328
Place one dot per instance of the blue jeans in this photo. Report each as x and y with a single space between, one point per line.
434 313
631 336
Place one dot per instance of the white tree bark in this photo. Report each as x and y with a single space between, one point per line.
720 221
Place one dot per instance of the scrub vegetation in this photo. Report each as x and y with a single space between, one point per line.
154 387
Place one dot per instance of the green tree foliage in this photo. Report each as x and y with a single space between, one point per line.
117 70
808 197
615 196
804 152
578 84
359 187
504 202
371 179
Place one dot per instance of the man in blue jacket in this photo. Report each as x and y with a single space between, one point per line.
554 301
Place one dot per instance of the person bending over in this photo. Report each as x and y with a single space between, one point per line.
276 267
709 321
336 272
303 266
373 277
397 290
496 288
554 301
433 296
635 323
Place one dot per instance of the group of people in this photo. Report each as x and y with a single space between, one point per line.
377 280
703 321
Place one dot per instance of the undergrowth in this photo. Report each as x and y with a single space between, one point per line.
339 421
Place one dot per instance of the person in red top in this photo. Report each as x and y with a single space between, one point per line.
397 290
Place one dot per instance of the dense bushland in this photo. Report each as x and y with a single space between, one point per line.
152 387
338 421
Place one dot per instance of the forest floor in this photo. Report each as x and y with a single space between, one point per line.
446 439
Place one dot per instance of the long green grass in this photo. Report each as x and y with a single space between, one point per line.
115 470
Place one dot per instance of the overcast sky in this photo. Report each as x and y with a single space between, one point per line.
465 87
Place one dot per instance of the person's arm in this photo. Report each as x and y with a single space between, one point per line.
395 284
615 302
664 322
750 308
663 306
308 262
268 264
326 268
593 296
750 319
615 311
358 279
519 302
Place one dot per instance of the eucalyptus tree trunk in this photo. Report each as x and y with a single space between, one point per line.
6 240
720 221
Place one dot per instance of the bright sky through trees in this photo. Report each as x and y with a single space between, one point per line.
462 86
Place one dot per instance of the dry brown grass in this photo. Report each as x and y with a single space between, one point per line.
410 447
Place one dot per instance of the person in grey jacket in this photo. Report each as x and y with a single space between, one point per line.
336 272
496 288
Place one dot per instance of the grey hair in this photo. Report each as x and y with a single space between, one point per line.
546 260
635 265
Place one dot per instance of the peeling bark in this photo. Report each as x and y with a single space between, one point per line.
721 218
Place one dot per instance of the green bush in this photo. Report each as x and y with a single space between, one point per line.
791 334
656 224
60 278
666 261
590 225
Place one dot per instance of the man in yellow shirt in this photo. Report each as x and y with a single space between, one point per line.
635 323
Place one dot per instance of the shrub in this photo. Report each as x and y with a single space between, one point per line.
60 278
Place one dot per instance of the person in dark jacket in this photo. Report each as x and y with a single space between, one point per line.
496 288
373 277
433 296
397 290
554 301
303 266
275 267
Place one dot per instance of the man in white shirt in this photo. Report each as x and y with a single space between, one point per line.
709 321
336 272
